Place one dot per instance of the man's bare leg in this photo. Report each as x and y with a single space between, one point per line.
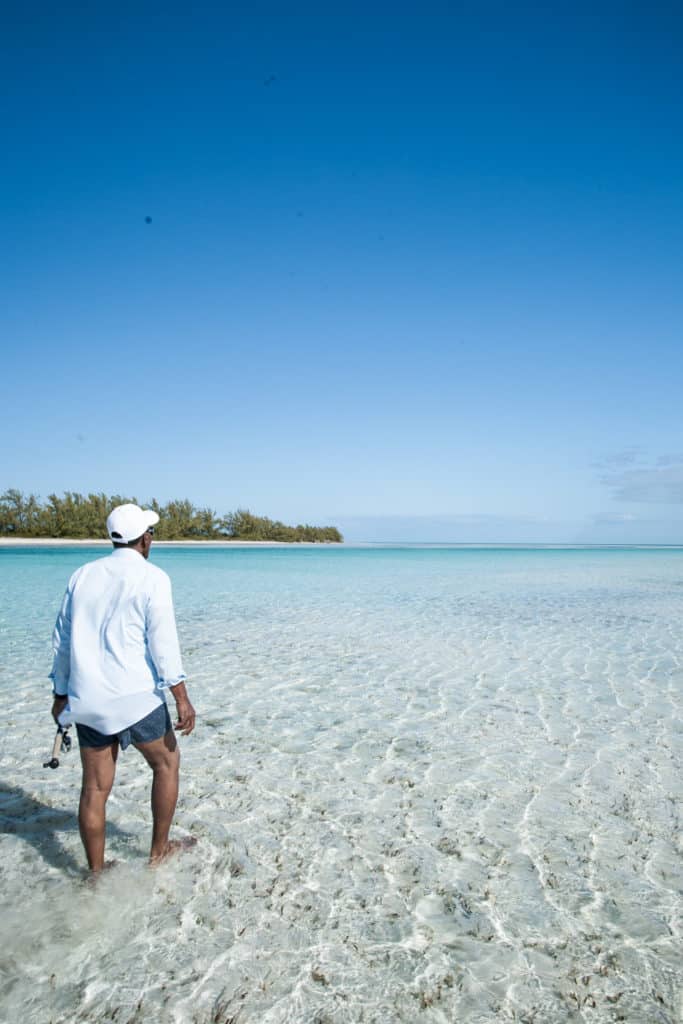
99 768
163 757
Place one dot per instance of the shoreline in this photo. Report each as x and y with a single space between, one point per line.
59 542
55 542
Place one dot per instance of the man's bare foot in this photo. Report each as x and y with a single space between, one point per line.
174 846
94 873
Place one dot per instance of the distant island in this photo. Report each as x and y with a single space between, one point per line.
76 517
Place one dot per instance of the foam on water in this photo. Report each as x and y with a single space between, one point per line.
428 785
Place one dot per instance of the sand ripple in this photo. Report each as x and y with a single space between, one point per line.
428 786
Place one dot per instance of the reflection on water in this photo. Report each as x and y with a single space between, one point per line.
426 785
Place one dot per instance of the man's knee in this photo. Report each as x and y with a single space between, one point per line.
170 762
95 791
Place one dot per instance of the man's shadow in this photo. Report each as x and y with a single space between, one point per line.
40 825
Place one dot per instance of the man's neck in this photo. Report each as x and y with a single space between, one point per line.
124 548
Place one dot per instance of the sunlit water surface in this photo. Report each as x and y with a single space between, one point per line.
427 785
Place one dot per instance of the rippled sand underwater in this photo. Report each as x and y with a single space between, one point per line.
427 785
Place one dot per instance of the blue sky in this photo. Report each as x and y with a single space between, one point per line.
414 271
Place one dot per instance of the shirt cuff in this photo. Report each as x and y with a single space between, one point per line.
165 684
59 689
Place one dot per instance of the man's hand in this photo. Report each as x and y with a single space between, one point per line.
186 715
58 705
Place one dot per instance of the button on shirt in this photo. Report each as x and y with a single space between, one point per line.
115 642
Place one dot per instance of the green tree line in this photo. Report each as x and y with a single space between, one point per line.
78 516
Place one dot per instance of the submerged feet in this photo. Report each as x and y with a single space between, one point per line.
94 873
173 846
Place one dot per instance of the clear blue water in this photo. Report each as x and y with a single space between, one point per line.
427 783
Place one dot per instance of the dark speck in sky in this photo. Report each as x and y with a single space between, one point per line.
148 220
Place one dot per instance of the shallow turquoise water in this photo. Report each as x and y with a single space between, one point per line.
428 783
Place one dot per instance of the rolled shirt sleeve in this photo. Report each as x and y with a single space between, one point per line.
162 635
61 647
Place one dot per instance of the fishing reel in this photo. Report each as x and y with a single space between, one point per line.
61 745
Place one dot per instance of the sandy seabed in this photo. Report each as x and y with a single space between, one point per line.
420 793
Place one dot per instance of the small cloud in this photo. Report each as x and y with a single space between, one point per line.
617 520
661 484
615 460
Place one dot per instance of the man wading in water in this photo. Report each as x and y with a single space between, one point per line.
116 651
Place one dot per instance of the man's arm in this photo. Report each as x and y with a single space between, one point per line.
58 705
162 641
61 662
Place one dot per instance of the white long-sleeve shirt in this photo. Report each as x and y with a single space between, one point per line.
115 642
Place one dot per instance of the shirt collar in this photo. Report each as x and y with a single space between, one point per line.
125 553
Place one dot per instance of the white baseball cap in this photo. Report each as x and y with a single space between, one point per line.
128 522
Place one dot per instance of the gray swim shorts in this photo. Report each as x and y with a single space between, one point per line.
152 727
